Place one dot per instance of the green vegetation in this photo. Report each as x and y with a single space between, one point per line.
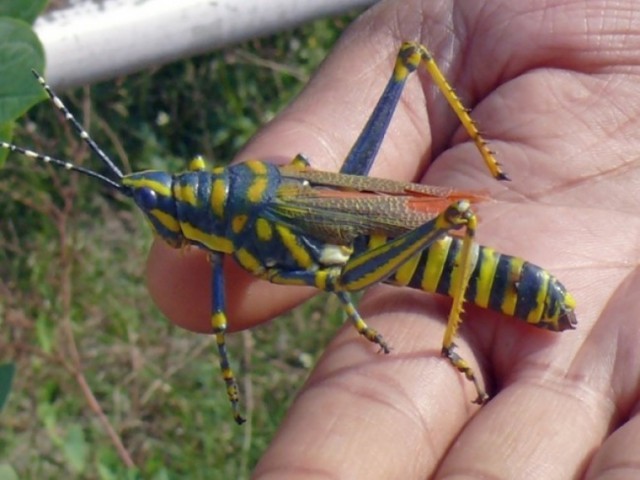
96 363
21 51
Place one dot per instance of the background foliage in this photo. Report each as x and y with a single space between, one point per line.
103 381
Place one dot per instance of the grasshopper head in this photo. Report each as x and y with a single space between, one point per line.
152 192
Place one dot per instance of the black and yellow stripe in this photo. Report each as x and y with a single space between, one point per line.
499 282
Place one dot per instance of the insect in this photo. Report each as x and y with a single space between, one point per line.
339 232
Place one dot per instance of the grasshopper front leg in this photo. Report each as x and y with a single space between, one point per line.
219 324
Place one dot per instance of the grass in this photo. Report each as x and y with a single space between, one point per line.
97 363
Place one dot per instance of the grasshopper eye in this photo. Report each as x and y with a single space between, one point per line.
146 198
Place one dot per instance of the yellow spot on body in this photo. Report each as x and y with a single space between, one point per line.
257 167
435 264
197 164
169 222
212 242
290 241
249 262
255 193
185 194
218 197
238 222
486 275
264 231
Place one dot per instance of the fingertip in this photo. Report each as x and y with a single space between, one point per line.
356 400
179 282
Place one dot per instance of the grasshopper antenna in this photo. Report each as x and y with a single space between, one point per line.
78 128
61 163
57 102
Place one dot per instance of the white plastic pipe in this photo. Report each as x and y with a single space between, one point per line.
93 41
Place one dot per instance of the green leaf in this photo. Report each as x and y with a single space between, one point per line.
26 10
20 51
75 448
7 472
7 370
6 131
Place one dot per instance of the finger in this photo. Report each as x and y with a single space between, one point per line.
180 283
530 428
367 415
580 386
612 366
529 431
617 459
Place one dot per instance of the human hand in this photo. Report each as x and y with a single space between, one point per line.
553 86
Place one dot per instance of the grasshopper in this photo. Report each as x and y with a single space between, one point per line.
339 232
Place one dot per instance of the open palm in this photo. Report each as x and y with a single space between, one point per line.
554 86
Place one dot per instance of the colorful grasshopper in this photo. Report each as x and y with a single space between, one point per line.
339 232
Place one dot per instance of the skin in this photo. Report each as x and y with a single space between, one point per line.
554 86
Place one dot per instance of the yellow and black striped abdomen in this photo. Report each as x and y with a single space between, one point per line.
499 282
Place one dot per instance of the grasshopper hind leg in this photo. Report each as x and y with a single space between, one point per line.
377 264
412 57
463 367
461 277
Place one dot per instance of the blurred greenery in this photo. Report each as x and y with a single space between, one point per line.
25 10
21 51
67 281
